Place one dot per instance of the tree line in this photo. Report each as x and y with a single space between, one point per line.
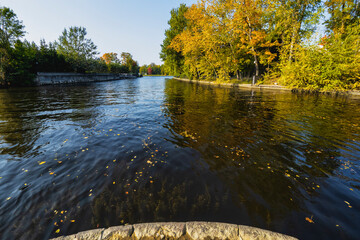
273 40
152 69
72 52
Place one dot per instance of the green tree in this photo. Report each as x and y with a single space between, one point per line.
21 69
11 29
143 69
129 62
76 48
174 60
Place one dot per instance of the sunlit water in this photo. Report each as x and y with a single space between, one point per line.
73 158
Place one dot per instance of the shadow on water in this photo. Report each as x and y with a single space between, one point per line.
151 149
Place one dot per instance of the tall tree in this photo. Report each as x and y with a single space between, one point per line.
174 60
77 49
11 29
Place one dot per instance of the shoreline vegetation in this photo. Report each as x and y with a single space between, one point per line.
73 52
267 42
274 41
259 86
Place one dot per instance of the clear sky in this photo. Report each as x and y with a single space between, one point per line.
134 26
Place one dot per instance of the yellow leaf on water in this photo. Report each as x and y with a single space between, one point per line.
309 220
51 173
348 204
57 231
72 220
8 198
41 163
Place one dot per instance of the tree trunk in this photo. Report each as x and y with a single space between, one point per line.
293 39
256 65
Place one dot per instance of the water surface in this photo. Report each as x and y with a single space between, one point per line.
74 158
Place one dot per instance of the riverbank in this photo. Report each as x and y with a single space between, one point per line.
178 230
353 93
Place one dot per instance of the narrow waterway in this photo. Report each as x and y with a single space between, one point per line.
73 158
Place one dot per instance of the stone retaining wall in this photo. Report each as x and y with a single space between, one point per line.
183 231
238 85
70 78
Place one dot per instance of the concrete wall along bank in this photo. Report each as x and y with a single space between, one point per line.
70 78
175 230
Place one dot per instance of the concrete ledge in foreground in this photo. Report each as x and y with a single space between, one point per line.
178 230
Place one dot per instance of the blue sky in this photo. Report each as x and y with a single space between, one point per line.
134 26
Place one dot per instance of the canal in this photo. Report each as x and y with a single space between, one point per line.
73 158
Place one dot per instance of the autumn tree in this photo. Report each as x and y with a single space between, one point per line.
223 38
110 58
342 14
272 38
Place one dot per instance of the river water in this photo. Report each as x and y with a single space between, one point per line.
73 158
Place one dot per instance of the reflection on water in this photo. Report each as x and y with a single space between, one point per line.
150 149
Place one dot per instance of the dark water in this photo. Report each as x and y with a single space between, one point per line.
151 149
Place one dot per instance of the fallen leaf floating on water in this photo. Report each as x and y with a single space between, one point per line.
309 220
57 231
348 204
41 163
